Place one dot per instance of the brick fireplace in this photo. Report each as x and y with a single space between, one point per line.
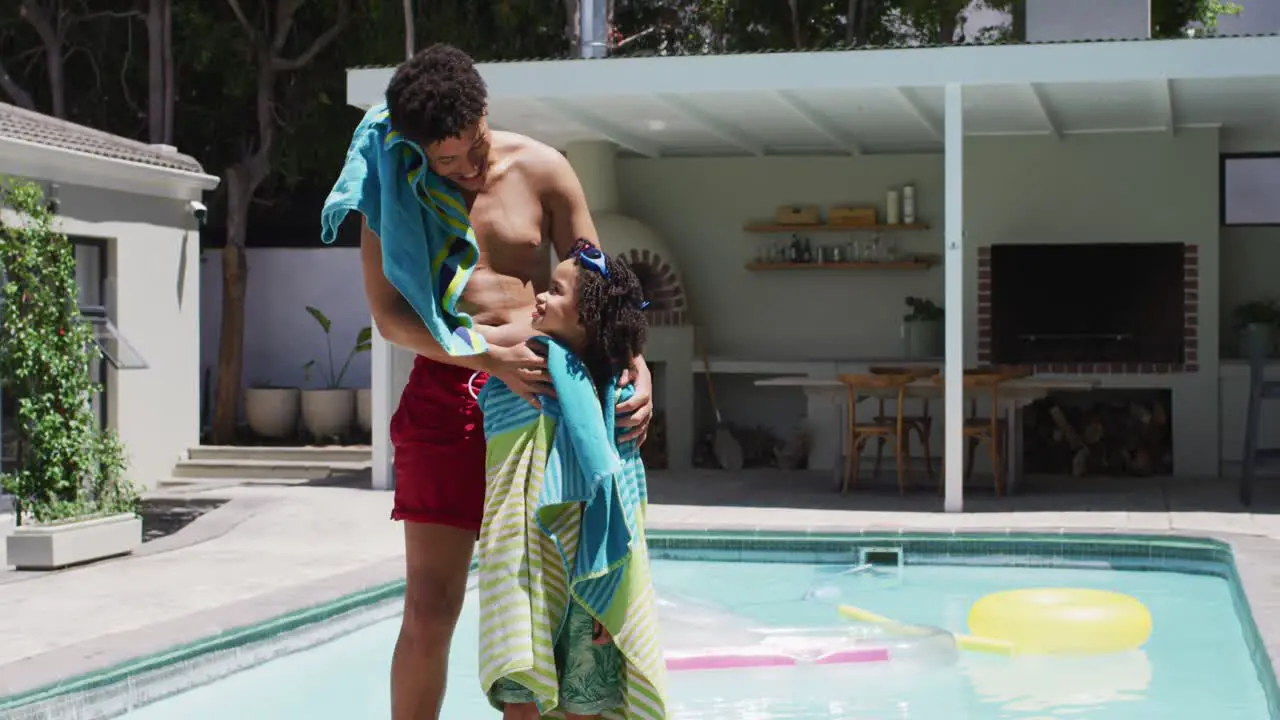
1114 308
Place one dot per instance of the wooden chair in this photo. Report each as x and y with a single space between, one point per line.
858 432
921 425
993 429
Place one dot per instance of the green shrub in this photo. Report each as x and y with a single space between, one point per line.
67 467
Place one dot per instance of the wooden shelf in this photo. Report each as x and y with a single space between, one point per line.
766 228
887 265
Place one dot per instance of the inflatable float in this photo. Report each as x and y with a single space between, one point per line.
699 637
1045 621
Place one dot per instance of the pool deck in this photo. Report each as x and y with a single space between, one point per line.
273 549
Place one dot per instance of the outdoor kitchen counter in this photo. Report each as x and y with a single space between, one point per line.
827 404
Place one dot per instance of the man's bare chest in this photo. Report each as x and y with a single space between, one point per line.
509 226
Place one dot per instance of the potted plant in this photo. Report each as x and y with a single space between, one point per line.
327 412
922 329
71 499
1257 321
271 410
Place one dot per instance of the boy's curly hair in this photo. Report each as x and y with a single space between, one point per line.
613 317
436 95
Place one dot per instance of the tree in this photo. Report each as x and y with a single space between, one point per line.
267 36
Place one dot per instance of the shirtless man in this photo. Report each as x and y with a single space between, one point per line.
524 200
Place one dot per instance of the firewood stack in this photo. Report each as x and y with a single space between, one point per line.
1120 433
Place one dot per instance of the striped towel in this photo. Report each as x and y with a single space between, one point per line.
564 521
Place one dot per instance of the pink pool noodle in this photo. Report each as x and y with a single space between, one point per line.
747 660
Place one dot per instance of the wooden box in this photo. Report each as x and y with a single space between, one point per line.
844 215
797 215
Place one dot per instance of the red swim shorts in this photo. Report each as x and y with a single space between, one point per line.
437 435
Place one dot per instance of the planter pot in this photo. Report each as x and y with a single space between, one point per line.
328 413
1262 334
49 547
922 340
272 412
364 409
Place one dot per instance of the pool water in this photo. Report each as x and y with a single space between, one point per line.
1195 665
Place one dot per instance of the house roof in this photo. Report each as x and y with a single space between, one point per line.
33 127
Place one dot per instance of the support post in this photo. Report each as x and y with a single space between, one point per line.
381 403
953 263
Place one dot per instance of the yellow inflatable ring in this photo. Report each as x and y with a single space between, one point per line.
1048 621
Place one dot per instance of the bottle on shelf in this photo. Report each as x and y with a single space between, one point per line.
909 204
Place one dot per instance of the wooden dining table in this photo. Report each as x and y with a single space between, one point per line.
1014 396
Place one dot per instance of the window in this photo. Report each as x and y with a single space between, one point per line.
1250 189
93 283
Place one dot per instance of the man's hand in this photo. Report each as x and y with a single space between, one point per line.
523 370
635 413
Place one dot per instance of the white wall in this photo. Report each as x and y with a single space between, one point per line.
280 335
153 255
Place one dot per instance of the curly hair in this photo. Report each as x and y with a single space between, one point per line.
436 95
611 310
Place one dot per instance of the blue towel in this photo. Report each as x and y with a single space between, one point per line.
563 525
585 465
428 247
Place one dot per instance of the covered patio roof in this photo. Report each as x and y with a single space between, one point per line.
877 100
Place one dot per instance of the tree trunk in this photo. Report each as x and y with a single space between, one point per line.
796 37
948 23
16 92
48 25
170 84
573 29
235 274
408 29
155 71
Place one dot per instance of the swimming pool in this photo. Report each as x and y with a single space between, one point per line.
1199 661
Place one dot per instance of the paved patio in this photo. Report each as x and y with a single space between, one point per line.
277 548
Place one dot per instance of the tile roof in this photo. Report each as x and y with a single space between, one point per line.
847 48
19 124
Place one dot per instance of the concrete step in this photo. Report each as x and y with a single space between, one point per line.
266 469
311 454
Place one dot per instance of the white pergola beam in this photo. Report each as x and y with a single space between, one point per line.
819 122
713 125
602 127
1045 113
953 262
914 107
1168 108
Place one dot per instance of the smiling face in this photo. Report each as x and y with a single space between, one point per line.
556 310
462 160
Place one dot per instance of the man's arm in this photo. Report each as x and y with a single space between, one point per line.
565 201
395 319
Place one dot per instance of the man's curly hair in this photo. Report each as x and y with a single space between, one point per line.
436 95
612 315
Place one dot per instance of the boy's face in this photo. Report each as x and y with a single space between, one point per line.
462 160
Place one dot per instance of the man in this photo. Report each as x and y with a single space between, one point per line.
524 200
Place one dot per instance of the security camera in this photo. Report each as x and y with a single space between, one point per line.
198 211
